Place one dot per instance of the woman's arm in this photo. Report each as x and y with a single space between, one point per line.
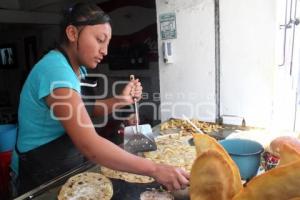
107 106
104 107
69 109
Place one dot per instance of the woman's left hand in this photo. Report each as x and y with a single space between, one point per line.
132 90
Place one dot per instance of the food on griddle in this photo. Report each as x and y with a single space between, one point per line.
174 150
204 143
213 169
277 184
211 177
277 144
129 177
87 185
186 129
281 150
156 195
288 154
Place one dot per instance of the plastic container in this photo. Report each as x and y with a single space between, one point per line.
8 134
5 159
246 154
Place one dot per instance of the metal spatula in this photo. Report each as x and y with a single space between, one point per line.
135 140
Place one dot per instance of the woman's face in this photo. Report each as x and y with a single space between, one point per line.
93 44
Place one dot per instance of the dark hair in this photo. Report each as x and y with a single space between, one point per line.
82 14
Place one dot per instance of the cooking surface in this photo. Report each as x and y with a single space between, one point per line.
122 190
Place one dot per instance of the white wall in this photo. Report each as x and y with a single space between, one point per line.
248 62
287 104
188 85
247 48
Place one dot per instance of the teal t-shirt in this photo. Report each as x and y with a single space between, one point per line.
37 126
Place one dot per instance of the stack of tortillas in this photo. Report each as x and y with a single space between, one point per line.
88 185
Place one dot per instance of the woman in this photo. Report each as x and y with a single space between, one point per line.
52 117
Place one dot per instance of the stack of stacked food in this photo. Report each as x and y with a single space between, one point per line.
214 176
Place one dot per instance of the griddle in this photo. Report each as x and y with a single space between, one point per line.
122 190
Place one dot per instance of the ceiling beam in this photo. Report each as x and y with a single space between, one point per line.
13 16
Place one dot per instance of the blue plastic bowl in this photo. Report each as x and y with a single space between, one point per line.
246 154
8 134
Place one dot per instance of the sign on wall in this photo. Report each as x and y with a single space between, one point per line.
168 26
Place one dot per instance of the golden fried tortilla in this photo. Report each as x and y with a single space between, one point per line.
204 142
280 183
288 154
211 177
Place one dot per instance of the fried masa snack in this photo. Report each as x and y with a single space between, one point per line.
278 143
288 154
204 142
87 186
211 177
280 183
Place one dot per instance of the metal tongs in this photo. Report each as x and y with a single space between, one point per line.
137 141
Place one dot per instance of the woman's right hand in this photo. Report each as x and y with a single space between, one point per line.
171 177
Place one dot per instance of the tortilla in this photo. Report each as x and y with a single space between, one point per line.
174 150
86 186
129 177
156 195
